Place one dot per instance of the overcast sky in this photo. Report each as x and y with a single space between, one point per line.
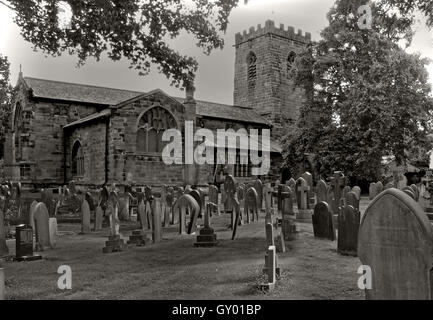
215 75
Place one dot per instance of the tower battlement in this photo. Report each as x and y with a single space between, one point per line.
270 28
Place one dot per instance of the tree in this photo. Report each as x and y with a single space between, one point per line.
137 30
5 100
370 97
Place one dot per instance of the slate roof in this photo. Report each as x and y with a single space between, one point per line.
97 115
73 92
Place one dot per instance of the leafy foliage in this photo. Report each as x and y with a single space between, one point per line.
5 99
137 30
370 97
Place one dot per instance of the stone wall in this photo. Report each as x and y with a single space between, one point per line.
92 137
42 138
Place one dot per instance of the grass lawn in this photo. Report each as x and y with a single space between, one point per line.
175 269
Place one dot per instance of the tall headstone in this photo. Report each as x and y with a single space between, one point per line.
258 186
323 225
213 197
99 216
309 178
352 200
183 204
372 191
348 226
157 224
42 228
85 217
395 241
338 182
288 224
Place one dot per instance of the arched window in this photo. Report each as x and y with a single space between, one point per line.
151 127
77 160
290 61
252 69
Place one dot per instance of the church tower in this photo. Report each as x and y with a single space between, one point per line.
264 58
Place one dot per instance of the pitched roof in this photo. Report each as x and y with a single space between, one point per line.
74 92
98 115
58 90
225 111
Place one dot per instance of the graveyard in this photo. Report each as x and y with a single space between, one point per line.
194 243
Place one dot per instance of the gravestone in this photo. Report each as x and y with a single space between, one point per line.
207 236
357 191
24 244
348 226
323 222
157 224
32 214
99 216
395 240
288 224
344 193
292 185
197 197
53 231
213 197
85 217
182 205
230 198
309 178
42 228
267 196
302 188
270 269
409 191
322 191
141 212
258 186
352 200
251 211
372 191
389 185
115 243
169 200
338 182
416 191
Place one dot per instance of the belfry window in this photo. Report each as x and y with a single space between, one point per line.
290 61
252 69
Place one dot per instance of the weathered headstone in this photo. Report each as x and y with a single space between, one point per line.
258 186
157 224
416 191
348 226
24 244
183 204
42 229
338 182
302 188
213 197
52 228
288 225
85 217
395 241
322 191
352 200
251 210
115 243
357 191
308 177
230 198
99 216
323 222
267 196
372 191
197 197
270 269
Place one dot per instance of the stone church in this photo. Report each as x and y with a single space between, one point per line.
92 135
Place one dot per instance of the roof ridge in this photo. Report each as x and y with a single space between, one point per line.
84 85
223 104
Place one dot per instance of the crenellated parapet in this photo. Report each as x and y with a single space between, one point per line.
270 28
